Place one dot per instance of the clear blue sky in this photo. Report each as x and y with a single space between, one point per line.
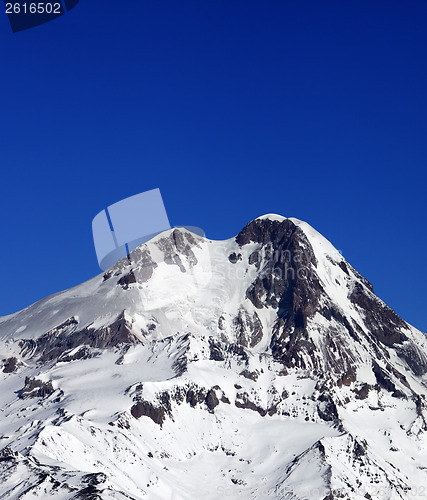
311 109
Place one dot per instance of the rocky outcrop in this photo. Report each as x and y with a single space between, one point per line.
35 388
67 337
379 319
147 409
247 328
178 246
10 364
287 281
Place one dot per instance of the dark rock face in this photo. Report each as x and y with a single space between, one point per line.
211 400
90 491
195 396
156 410
127 280
35 388
414 358
248 329
220 351
363 392
10 365
67 337
287 282
250 375
178 245
326 408
147 409
161 407
83 353
233 257
216 353
141 267
243 401
383 378
8 455
382 321
94 478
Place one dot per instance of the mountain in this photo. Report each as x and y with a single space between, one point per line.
263 366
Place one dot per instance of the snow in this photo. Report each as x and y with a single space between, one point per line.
273 217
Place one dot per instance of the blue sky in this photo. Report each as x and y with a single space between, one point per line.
315 110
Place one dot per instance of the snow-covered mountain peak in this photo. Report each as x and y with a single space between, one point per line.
162 367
